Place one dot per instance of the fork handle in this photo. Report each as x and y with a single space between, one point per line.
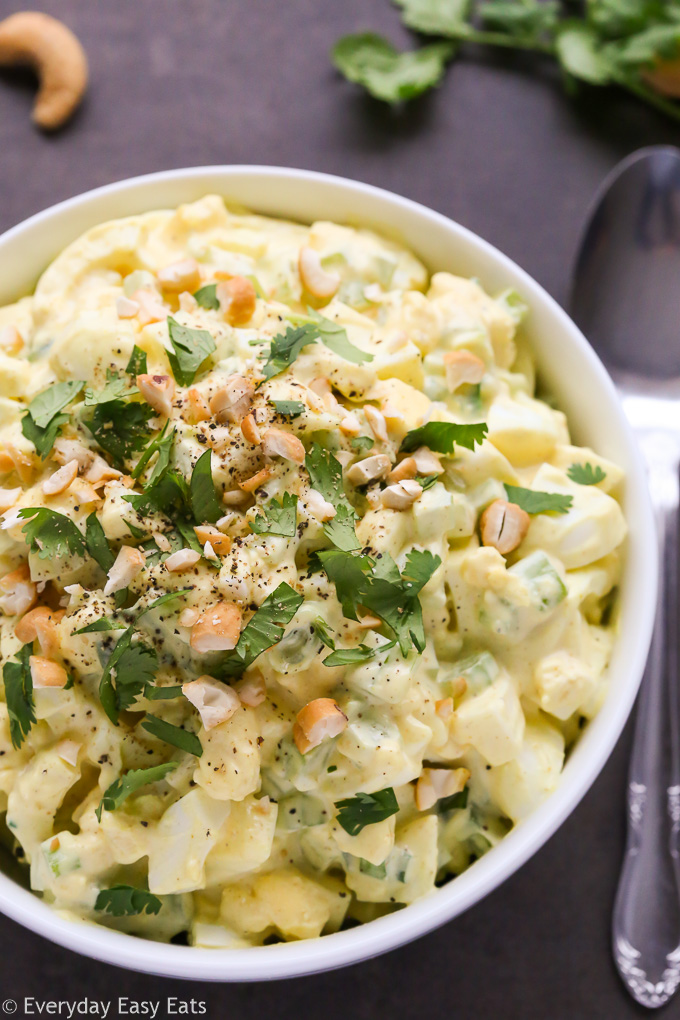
646 924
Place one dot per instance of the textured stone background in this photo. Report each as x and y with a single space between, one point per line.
500 149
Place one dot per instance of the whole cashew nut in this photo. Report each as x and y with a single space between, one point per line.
36 40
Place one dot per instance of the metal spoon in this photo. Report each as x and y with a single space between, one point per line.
626 299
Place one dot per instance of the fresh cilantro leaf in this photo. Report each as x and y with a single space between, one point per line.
174 735
119 791
325 474
579 52
167 496
538 502
586 474
19 695
264 629
334 336
42 420
426 481
285 348
188 536
204 501
527 20
362 443
190 349
115 387
162 693
42 439
128 669
617 18
355 813
453 803
105 623
322 632
162 600
137 364
97 543
120 428
656 42
51 535
373 62
135 531
125 901
162 445
352 656
277 518
348 574
435 17
52 400
290 408
207 297
441 436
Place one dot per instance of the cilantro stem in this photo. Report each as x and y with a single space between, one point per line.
634 86
483 38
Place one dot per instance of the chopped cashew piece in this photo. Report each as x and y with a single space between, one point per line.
406 468
126 308
314 277
232 402
68 751
350 425
99 472
8 498
278 443
318 720
128 564
504 526
252 691
183 559
250 430
61 479
216 702
237 300
462 367
65 450
220 543
55 54
40 623
12 459
427 463
17 591
435 784
197 408
320 507
401 495
250 485
444 708
368 469
376 420
46 673
150 307
158 391
217 629
179 276
11 340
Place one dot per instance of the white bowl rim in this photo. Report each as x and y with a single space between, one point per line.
293 959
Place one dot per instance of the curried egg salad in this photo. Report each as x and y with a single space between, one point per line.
304 594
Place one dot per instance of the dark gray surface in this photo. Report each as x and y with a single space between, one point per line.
498 148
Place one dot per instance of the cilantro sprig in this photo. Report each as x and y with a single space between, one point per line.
357 655
586 474
119 791
120 428
538 502
264 629
42 421
19 695
174 735
277 518
325 474
126 901
204 502
190 348
355 813
288 408
128 669
443 436
51 535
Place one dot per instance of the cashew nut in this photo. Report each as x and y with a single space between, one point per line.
52 50
504 526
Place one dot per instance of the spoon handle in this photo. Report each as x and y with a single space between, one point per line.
646 925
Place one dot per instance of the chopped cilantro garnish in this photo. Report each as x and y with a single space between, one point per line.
355 813
137 363
119 791
51 535
162 600
169 495
442 436
362 443
285 347
19 695
586 474
538 502
264 629
321 630
135 531
116 386
162 445
290 408
125 901
426 481
334 336
352 656
204 501
104 623
454 802
325 474
174 735
190 348
128 669
97 543
162 693
120 428
42 421
207 297
277 518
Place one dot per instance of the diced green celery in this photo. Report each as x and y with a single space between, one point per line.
545 584
479 670
514 304
301 811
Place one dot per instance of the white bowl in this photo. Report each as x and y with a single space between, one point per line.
568 368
